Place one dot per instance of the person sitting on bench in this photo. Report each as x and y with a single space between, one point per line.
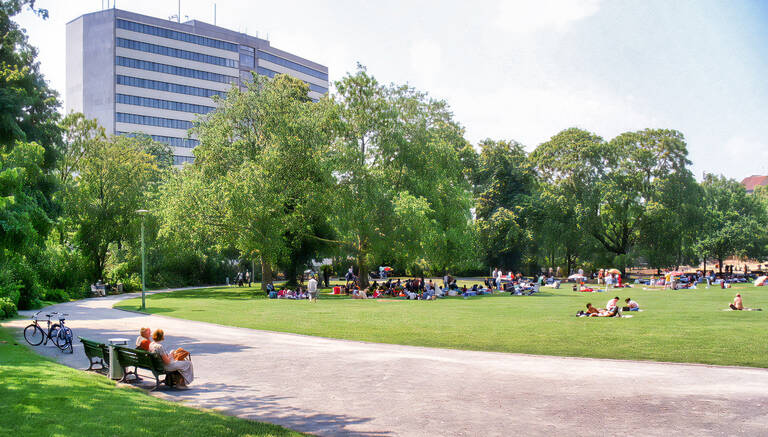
144 339
170 363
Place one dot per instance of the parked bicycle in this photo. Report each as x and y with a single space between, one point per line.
57 333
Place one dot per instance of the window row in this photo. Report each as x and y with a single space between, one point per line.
179 36
173 69
292 65
162 104
147 120
175 53
270 74
165 86
180 160
187 143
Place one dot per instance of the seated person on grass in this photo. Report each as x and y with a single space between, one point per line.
737 304
631 305
613 303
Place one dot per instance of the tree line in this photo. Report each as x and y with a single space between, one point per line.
369 175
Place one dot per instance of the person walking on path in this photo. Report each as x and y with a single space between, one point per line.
248 277
312 289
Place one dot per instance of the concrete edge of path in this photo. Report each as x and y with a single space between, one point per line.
427 348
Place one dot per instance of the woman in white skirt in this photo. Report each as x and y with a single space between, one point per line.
184 367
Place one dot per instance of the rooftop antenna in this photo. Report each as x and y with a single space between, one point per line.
214 14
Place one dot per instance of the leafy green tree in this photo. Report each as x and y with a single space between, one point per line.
402 194
505 184
734 221
260 176
635 188
111 182
28 139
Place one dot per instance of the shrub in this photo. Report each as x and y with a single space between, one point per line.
56 295
7 308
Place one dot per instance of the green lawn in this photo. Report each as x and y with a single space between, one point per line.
680 326
40 397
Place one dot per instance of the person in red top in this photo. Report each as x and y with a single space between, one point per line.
143 340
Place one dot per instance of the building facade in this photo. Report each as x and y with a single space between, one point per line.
140 74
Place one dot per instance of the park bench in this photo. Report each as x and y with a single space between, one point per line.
141 359
96 351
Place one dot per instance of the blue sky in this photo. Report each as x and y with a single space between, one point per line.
523 70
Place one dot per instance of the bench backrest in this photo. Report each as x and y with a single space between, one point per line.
93 349
138 358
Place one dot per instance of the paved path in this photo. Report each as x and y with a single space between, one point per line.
337 387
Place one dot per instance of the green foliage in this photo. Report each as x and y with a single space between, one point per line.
111 182
734 222
7 307
505 187
402 194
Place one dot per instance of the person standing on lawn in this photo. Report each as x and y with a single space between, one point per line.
312 289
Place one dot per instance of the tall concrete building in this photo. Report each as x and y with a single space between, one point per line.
136 73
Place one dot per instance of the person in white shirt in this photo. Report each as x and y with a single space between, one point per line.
312 289
612 303
631 305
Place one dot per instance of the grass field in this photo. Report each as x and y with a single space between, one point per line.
677 326
40 397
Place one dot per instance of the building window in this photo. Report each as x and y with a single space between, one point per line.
173 69
174 53
292 65
165 86
179 36
181 160
162 104
187 143
147 120
270 74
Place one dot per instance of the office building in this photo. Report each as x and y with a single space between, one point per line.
135 73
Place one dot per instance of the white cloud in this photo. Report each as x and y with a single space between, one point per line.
532 114
426 61
528 16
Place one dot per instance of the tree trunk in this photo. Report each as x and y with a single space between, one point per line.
720 265
705 265
362 273
266 274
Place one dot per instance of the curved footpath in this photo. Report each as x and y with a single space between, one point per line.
338 387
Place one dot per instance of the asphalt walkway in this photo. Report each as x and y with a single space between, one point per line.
336 387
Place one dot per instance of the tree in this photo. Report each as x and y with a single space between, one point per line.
28 136
110 185
260 176
621 188
734 222
401 192
504 185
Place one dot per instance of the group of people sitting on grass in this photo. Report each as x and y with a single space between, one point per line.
176 360
611 309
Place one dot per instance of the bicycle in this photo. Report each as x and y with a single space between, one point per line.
58 334
35 335
64 337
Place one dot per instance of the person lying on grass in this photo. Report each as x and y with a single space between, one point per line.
170 362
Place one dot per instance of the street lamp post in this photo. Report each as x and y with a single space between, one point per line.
143 212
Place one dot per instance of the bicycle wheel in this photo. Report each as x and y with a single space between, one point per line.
53 334
34 335
64 341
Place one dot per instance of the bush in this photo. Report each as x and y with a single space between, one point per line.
56 295
7 308
19 282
